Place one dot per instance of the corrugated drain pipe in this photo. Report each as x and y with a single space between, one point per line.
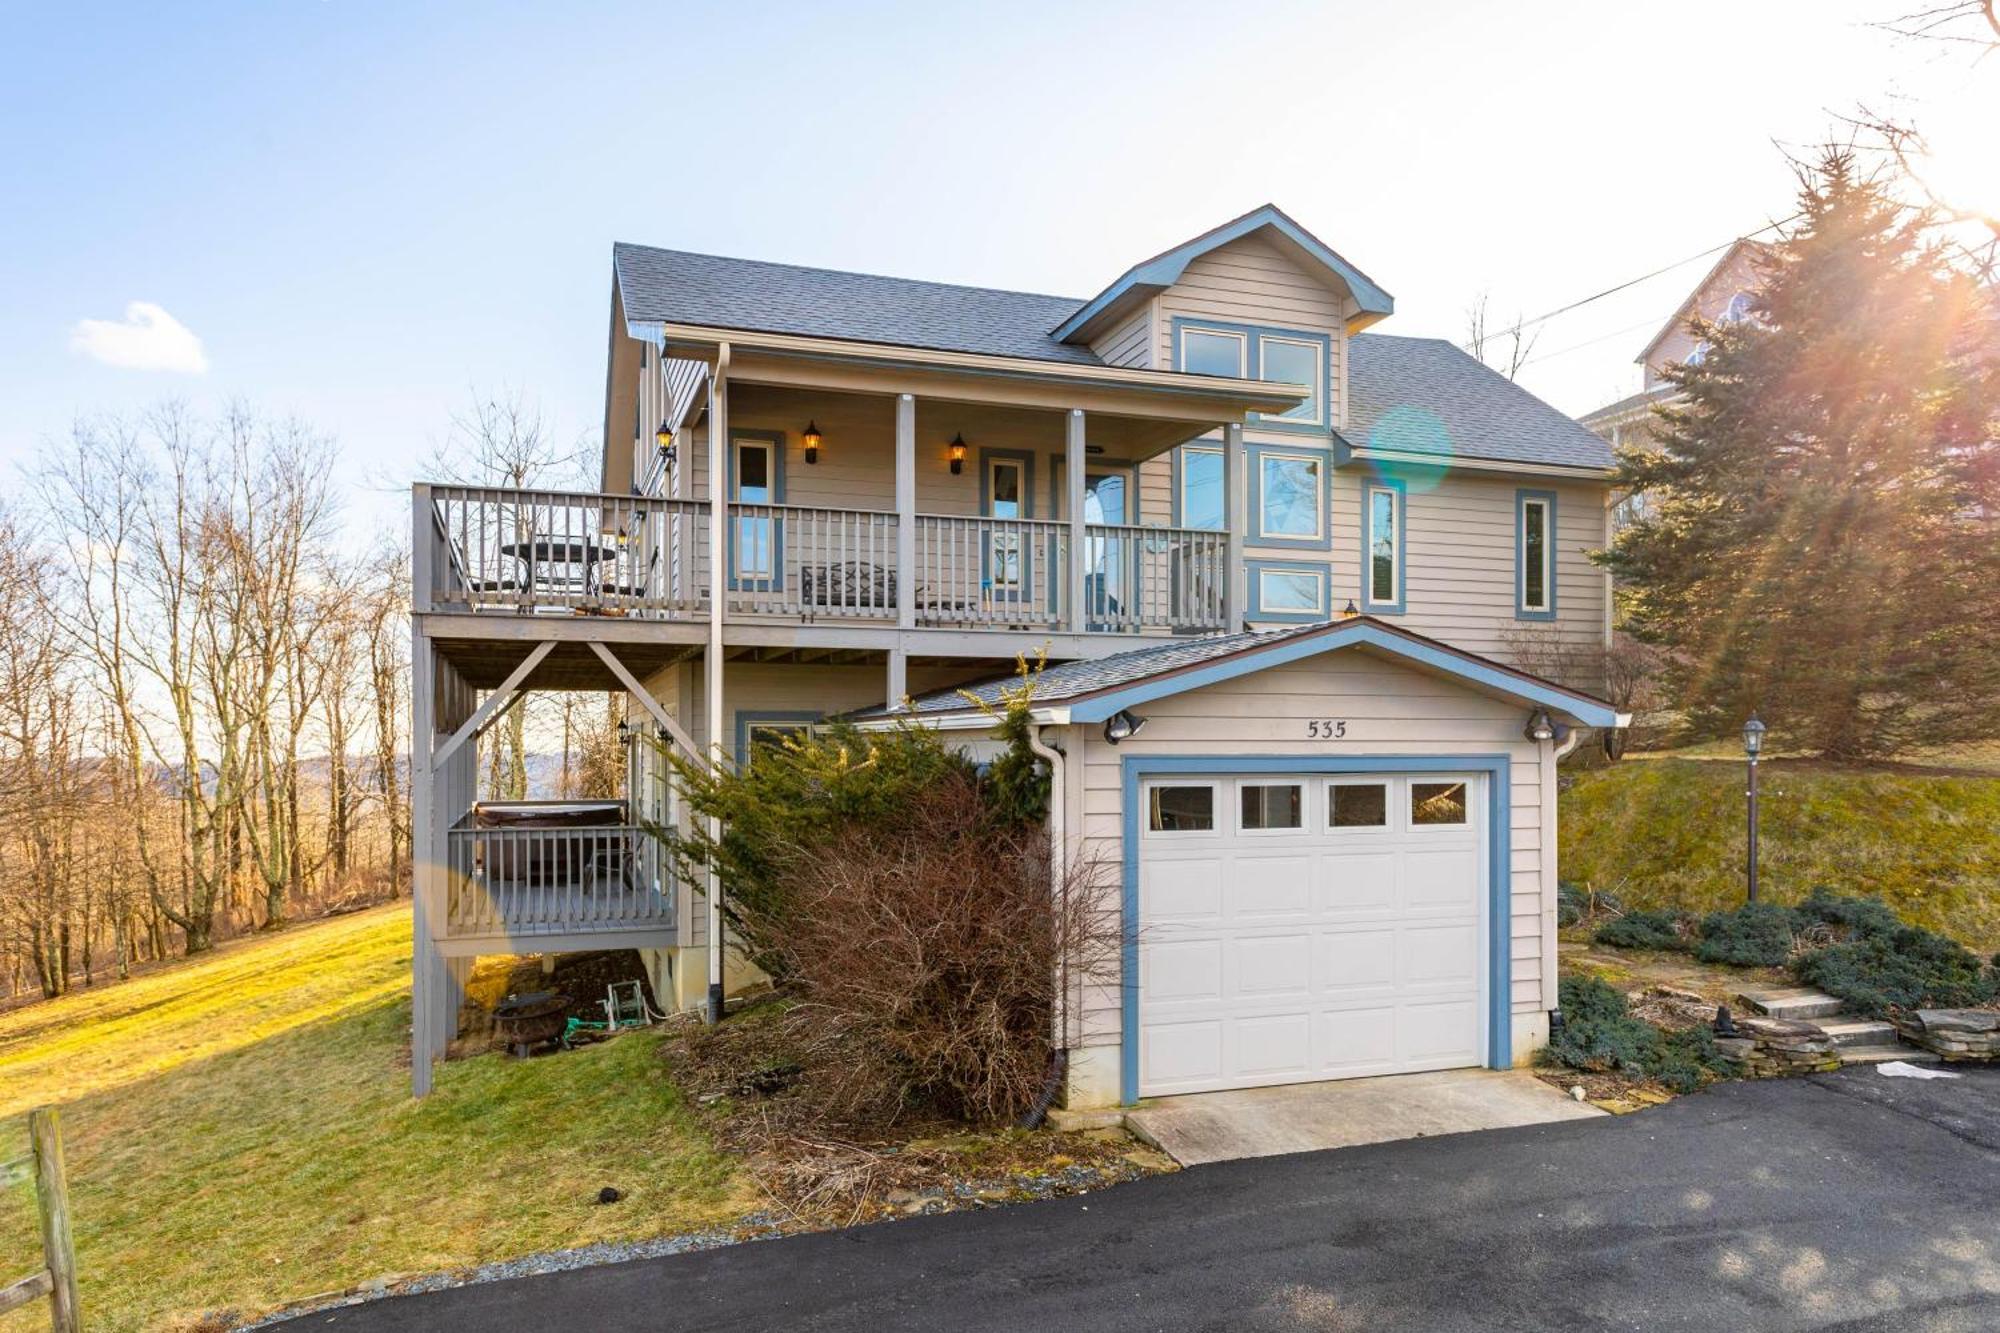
1058 887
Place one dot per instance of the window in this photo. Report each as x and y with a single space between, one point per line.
1006 484
1382 547
1180 809
1437 804
1357 805
756 732
1277 805
1201 488
1534 555
1214 352
1292 591
756 478
1290 499
1279 356
1737 309
1294 361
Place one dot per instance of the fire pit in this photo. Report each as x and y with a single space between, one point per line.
523 1022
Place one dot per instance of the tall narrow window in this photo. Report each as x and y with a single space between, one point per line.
1201 488
1384 548
1535 556
755 538
1006 499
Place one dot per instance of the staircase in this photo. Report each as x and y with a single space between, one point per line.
1859 1041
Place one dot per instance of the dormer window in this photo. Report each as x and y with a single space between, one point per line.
1276 356
1215 352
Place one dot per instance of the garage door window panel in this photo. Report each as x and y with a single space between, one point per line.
1271 807
1437 805
1357 806
1181 809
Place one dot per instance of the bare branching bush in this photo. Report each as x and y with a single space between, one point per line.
939 938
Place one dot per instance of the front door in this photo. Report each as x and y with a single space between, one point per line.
1005 557
755 545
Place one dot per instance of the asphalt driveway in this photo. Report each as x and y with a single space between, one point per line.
1848 1201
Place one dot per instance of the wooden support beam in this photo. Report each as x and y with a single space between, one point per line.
52 1201
1235 586
495 703
1074 461
646 699
906 510
30 1288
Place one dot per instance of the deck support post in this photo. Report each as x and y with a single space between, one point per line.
426 964
898 684
1235 584
1076 485
718 586
906 514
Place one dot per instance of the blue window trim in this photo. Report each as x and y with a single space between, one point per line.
1371 481
1521 499
746 716
1255 570
778 442
1253 465
1495 768
1026 459
1177 517
1253 337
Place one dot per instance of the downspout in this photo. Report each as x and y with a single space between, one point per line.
718 561
1058 889
1567 739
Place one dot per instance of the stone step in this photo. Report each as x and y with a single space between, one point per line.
1790 1002
1875 1055
1848 1032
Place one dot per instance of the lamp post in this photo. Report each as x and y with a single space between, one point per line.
1753 744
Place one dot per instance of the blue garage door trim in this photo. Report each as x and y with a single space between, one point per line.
1497 769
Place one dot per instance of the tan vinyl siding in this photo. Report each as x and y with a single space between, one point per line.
1390 709
1130 343
1459 580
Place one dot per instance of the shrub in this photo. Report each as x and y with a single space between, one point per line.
933 934
1853 916
1578 903
1599 1035
1645 930
1903 968
1754 935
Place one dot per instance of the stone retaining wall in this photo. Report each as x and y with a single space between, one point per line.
1953 1034
1779 1047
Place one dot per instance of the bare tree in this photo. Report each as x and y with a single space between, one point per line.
1506 350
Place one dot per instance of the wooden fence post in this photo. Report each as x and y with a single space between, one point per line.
52 1196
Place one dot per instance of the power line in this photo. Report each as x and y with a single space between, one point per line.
1633 282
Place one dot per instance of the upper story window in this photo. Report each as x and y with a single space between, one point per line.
1248 351
1215 352
1737 309
1535 555
1287 496
1199 480
1382 546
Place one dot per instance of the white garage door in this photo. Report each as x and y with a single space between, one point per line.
1295 928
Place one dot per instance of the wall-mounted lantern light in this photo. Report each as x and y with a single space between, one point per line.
812 438
664 437
1123 725
624 733
1540 728
957 454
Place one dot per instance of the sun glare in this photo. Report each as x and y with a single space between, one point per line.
1962 166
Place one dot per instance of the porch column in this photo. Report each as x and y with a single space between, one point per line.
718 587
1235 518
906 514
1073 484
426 964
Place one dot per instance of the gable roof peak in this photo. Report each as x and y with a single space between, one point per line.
1150 277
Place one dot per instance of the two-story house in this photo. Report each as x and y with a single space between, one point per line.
1287 569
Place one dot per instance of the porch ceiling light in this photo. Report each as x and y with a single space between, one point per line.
1540 728
1123 725
956 452
812 439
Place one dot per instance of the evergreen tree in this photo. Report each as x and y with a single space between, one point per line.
1820 538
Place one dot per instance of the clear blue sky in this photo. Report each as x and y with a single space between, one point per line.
364 210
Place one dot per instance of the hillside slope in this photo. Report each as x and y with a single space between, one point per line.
1669 833
240 1134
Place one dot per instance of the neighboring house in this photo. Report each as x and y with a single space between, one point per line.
1308 560
1725 293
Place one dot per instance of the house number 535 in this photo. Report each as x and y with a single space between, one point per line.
1323 729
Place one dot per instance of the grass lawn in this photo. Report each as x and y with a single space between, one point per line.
240 1134
1669 833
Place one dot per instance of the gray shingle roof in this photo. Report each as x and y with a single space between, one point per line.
1072 680
1422 395
1425 396
683 288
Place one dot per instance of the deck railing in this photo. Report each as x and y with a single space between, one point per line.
559 552
555 881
